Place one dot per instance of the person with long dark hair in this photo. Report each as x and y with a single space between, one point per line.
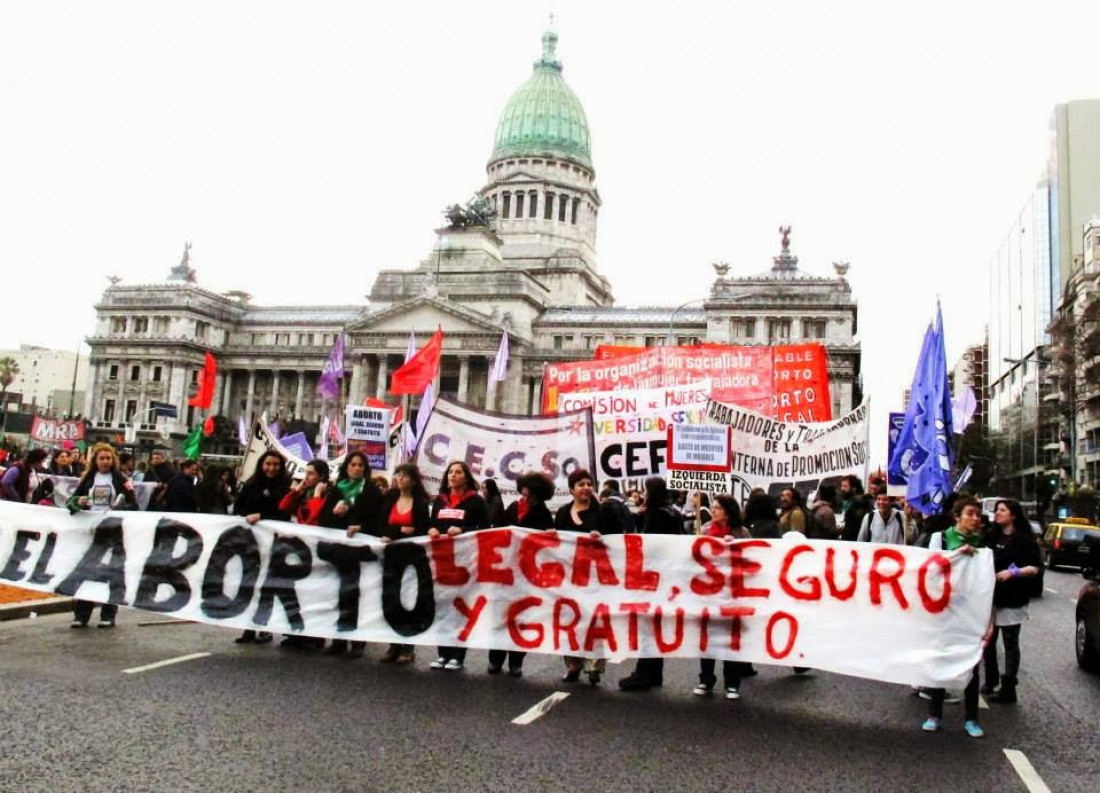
405 512
211 494
586 516
490 491
102 488
761 516
529 511
352 505
259 500
725 525
660 518
458 508
304 502
1016 561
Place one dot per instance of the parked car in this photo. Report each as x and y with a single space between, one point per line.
1087 635
1063 544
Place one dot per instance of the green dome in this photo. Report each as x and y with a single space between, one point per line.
544 117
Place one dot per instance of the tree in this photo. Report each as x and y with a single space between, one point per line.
8 370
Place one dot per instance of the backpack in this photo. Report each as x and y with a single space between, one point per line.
815 527
894 515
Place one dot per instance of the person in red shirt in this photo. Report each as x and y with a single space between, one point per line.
725 525
304 503
458 508
405 512
529 511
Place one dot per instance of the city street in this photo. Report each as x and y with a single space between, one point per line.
82 713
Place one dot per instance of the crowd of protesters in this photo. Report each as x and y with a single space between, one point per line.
356 502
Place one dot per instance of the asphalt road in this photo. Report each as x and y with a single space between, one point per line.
259 718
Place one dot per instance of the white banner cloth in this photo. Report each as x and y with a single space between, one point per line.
504 447
899 614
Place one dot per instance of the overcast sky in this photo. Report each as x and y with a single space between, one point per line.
301 147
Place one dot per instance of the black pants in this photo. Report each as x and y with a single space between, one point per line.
732 672
82 610
970 698
514 658
457 653
1011 634
650 669
401 649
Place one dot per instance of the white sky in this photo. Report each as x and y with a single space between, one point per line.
303 146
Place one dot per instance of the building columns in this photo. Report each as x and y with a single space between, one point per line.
383 374
275 391
250 399
227 394
300 394
357 384
463 377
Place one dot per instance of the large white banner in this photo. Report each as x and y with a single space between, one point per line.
899 614
503 447
772 454
631 427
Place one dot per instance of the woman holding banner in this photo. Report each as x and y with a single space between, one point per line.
458 508
583 515
304 502
405 512
660 518
966 538
352 505
726 525
529 511
103 487
259 500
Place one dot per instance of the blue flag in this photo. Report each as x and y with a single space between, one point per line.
923 452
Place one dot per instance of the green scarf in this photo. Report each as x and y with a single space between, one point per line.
953 539
350 489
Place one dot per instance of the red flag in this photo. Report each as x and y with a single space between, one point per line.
413 377
204 392
208 426
398 410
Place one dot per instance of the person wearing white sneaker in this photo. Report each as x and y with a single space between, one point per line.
458 508
966 538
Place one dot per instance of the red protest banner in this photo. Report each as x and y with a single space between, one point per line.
790 382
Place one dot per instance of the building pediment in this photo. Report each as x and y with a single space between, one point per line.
426 313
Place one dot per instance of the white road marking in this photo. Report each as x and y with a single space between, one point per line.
1032 781
540 709
982 704
193 656
1051 591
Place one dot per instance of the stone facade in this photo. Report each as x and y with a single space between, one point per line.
534 274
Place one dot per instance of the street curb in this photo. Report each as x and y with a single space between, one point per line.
18 611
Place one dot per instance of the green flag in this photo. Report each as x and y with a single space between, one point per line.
193 443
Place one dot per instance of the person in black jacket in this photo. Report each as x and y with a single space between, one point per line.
761 516
490 491
259 500
660 518
100 489
458 508
352 505
181 495
584 515
854 505
1016 561
529 511
405 512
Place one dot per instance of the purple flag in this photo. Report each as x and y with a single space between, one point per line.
410 351
500 365
327 385
427 403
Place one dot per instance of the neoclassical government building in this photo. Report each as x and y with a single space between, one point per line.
533 272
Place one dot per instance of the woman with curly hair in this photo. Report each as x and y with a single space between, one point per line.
529 511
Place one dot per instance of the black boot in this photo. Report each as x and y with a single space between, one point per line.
1006 694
